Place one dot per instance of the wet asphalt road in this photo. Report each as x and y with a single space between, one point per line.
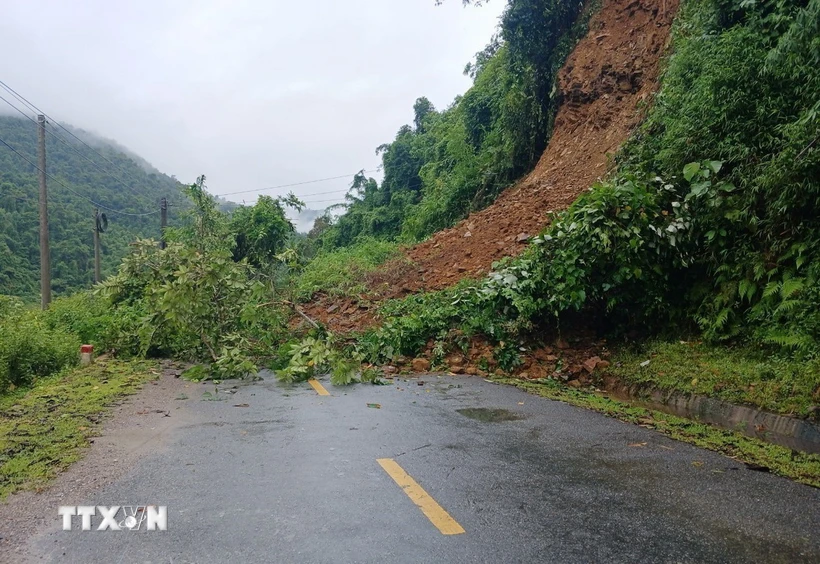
294 478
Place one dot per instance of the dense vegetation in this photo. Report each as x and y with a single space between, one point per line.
451 162
708 225
710 220
131 186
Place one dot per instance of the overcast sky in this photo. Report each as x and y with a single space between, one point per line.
252 93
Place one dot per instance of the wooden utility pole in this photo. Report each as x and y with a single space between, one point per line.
97 274
163 213
45 255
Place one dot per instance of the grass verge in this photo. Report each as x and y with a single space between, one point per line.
44 428
740 375
341 272
801 467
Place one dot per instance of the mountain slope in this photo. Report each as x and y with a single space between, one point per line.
131 186
609 76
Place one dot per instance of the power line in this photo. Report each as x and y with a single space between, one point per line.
299 184
66 143
34 108
63 184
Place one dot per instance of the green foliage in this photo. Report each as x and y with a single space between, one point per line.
341 271
199 305
45 428
29 349
261 231
86 315
741 375
132 186
452 162
319 354
743 86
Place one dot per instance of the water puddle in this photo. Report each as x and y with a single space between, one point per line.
489 415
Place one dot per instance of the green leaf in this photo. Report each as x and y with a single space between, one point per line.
690 170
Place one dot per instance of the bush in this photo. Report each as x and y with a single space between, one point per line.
341 272
29 349
84 314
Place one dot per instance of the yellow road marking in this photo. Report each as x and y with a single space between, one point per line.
320 389
437 515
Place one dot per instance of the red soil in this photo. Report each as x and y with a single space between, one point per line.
611 74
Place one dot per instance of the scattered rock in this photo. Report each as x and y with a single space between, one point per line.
574 383
591 364
389 369
604 364
455 360
561 343
471 370
332 308
420 365
457 369
468 234
522 238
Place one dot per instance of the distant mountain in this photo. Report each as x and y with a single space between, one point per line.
304 219
133 186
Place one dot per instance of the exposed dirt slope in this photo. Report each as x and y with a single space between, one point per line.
610 75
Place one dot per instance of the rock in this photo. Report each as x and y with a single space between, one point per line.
332 308
576 369
420 365
471 370
574 383
468 234
522 238
604 364
499 372
541 354
524 375
591 363
457 369
455 360
461 268
561 343
538 372
551 358
389 369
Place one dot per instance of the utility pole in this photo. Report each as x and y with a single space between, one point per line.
45 256
97 275
163 213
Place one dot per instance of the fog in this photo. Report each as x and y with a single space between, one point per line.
251 93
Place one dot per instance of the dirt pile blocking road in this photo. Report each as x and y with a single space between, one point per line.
607 80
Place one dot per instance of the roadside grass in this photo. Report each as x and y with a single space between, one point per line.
740 375
801 467
45 427
341 272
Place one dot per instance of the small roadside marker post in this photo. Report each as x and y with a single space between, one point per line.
85 354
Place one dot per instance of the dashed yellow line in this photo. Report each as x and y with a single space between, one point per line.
437 515
320 389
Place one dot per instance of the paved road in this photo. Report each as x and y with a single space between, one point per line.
294 477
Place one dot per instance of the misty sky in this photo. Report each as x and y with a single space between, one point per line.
252 93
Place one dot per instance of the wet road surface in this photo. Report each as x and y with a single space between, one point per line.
455 470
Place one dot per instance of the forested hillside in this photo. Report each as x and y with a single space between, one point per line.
706 219
129 185
455 160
